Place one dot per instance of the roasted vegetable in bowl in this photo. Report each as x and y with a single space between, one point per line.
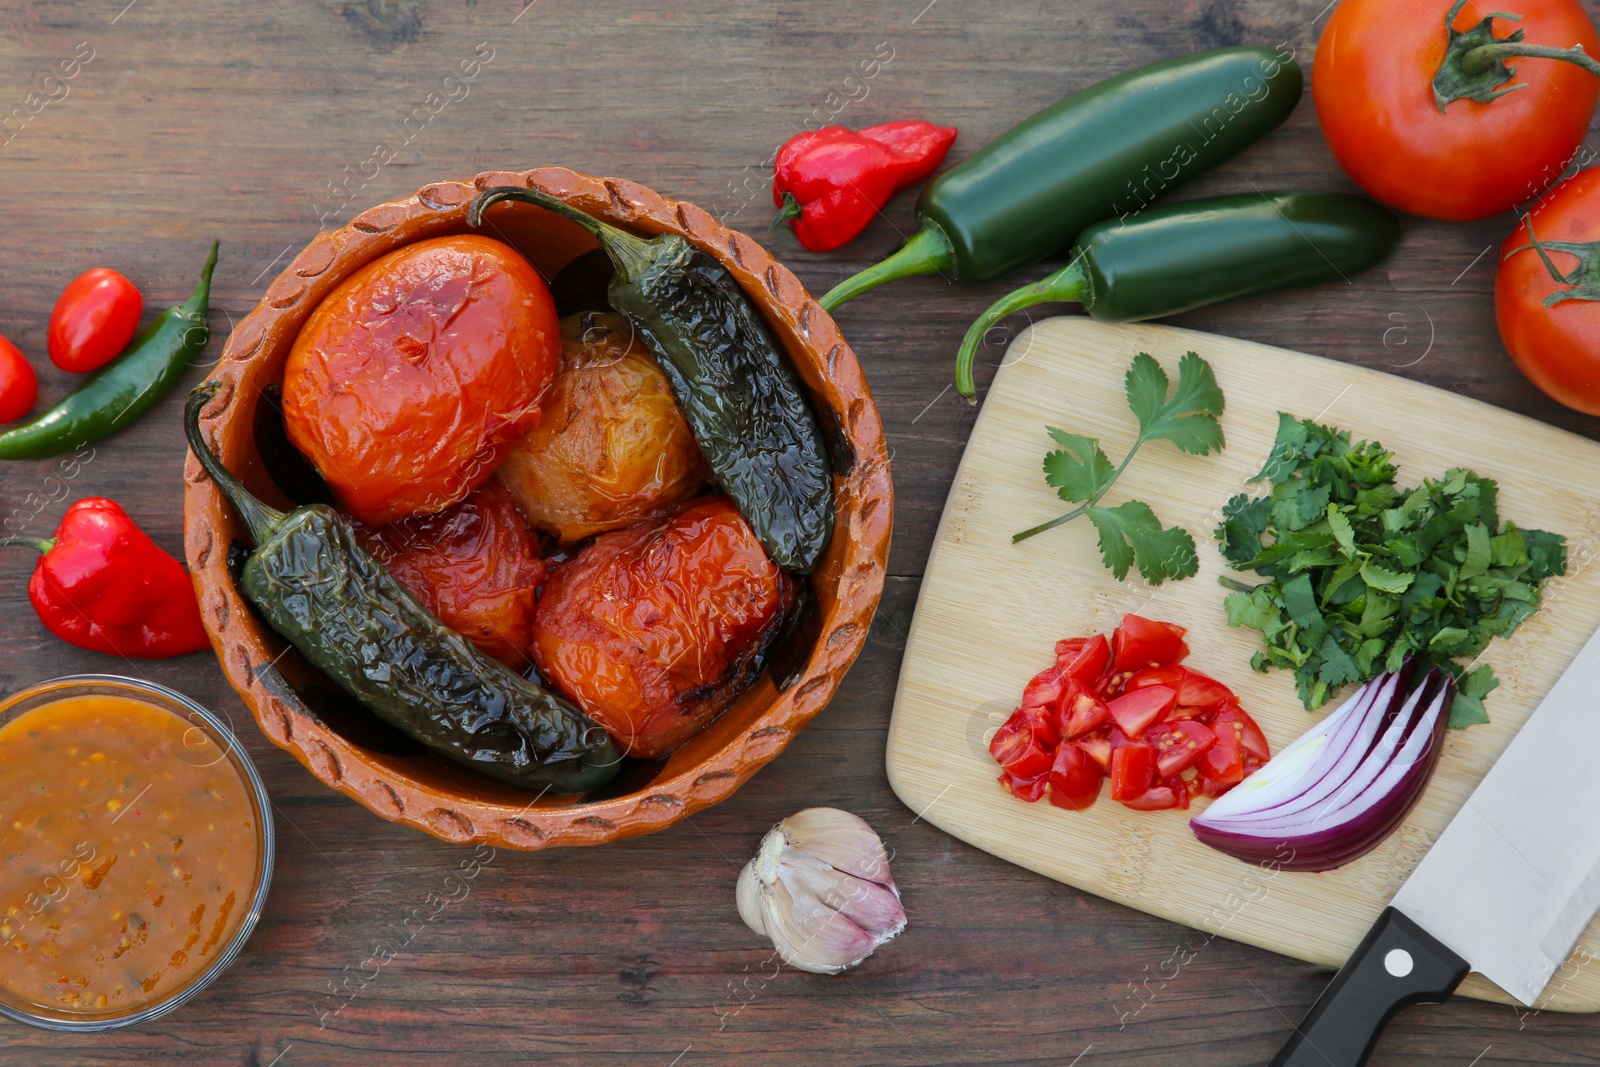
413 378
611 448
655 629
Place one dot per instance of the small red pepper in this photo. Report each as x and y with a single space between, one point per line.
102 584
831 182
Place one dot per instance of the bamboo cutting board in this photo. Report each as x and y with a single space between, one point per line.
990 613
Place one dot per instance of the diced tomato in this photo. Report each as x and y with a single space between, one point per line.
1155 798
1179 745
1074 779
1045 689
1029 789
1180 789
1244 728
1080 712
1195 690
1015 748
1136 711
1133 770
1140 643
1097 748
1223 763
1087 662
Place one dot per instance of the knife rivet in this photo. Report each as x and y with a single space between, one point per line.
1398 962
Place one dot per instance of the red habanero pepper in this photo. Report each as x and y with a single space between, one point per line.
831 182
102 584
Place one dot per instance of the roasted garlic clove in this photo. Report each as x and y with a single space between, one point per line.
820 889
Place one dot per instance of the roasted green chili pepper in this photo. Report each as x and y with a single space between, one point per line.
315 585
1108 150
125 388
1200 252
740 396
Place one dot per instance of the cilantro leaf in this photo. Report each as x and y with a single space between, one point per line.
1467 707
1080 471
1189 418
1131 535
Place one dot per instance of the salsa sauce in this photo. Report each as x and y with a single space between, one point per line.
128 854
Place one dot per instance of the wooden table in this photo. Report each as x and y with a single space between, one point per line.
258 123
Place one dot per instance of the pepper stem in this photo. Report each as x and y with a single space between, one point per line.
1474 66
791 210
629 254
39 544
928 252
258 518
201 299
1070 284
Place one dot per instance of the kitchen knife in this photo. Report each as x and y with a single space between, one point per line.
1505 891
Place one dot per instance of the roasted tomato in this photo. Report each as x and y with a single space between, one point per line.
414 377
1549 309
475 565
654 629
611 447
1467 145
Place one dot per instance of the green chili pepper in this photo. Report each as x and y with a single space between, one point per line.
1109 150
738 393
125 388
1200 252
315 585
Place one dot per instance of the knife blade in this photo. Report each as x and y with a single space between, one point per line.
1506 890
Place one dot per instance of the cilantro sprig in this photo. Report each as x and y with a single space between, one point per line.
1363 575
1130 534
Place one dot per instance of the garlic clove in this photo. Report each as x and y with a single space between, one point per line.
748 894
873 907
840 839
813 938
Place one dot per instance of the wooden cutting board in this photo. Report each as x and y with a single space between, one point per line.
990 613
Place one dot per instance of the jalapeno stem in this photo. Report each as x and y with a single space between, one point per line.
928 252
629 254
1069 285
1474 67
260 519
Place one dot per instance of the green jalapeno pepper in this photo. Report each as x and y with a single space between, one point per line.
317 587
1188 255
738 393
125 388
1108 150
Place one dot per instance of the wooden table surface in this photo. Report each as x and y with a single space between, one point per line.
260 122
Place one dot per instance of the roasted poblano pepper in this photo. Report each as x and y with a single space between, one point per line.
316 586
740 396
1177 258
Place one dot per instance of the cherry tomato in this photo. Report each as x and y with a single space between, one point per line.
1133 771
1135 712
1556 345
1074 779
1373 83
93 321
1140 643
19 385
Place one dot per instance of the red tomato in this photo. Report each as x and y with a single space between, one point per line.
1014 748
1085 662
1140 643
1179 745
1556 345
1195 690
1373 86
19 386
1044 691
1133 771
1158 798
1080 711
1222 766
1074 779
1097 748
1136 711
1028 789
93 321
1243 727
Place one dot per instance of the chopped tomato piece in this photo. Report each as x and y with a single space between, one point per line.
1045 689
1015 748
1097 748
1249 735
1195 690
1136 711
1155 798
1140 643
1179 745
1133 771
1074 779
1080 712
1085 663
1029 789
1223 763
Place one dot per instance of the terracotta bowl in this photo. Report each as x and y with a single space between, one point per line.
346 747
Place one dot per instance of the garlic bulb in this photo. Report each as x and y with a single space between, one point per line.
820 889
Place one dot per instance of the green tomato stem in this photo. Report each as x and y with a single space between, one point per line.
1474 66
1070 284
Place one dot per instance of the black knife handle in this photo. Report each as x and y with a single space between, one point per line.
1398 963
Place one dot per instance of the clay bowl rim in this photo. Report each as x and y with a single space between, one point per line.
855 565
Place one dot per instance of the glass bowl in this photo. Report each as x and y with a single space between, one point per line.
208 738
